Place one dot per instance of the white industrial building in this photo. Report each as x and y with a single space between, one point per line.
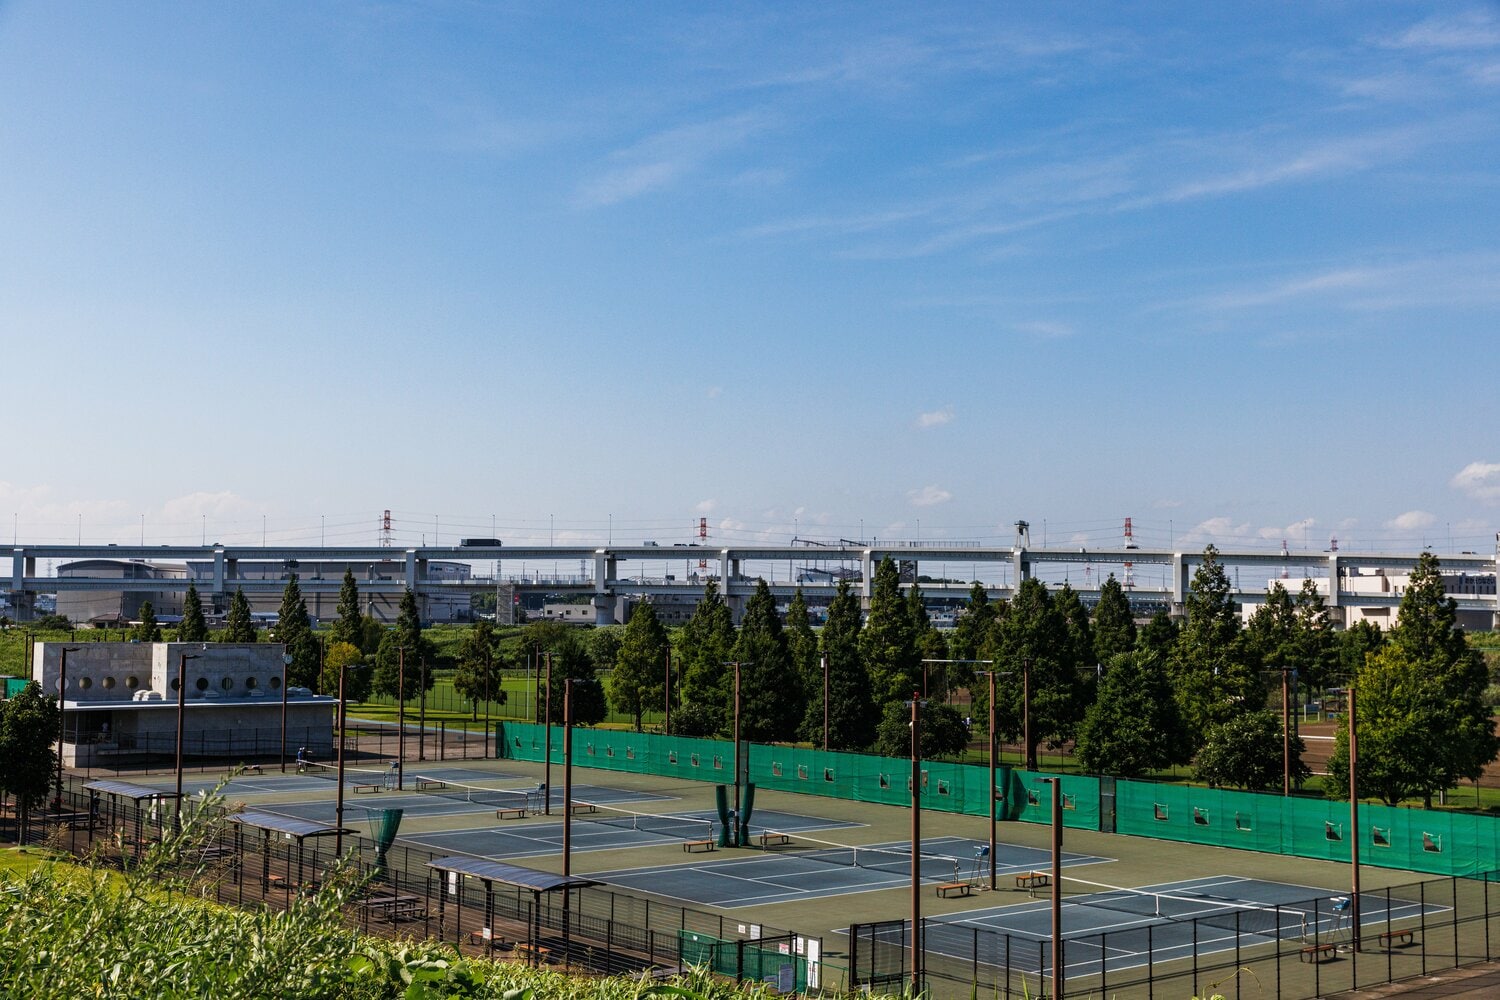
120 703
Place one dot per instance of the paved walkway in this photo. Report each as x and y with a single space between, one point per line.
1472 983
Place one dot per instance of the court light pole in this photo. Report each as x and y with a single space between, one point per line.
1353 829
825 701
286 662
1286 732
400 714
666 724
62 697
338 802
547 767
1059 964
736 664
917 955
182 659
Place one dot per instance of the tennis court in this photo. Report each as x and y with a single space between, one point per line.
1108 929
803 868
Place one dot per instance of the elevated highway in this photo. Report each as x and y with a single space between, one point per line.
604 571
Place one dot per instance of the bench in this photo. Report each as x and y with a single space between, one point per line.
484 939
583 807
425 783
368 788
1317 952
1390 938
540 952
1033 880
697 845
253 769
769 837
950 888
511 812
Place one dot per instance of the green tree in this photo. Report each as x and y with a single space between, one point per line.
356 682
405 654
1113 622
148 630
1420 707
570 661
1080 650
852 715
1245 750
640 664
971 631
1354 645
1271 635
802 646
239 626
937 678
943 731
193 628
1316 649
294 631
771 703
888 642
1132 727
1211 674
603 646
478 675
705 644
1033 636
1159 636
28 725
349 625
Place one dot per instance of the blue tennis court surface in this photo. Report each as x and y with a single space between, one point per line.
1231 911
753 877
273 782
449 801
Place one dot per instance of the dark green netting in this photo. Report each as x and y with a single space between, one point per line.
1443 843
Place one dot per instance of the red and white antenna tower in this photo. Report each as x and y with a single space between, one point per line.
702 540
1129 581
1333 544
385 530
1285 554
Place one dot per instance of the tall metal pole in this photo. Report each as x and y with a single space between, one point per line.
916 844
338 797
488 670
1026 713
182 659
666 724
733 840
1353 830
62 696
286 661
421 709
825 701
567 824
400 715
1286 735
1059 964
547 768
992 795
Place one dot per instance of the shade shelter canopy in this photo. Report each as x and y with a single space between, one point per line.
129 790
526 879
298 828
126 791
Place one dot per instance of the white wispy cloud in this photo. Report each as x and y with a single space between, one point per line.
1216 529
1045 329
661 160
935 418
1293 532
1478 480
929 496
1412 520
1468 29
705 506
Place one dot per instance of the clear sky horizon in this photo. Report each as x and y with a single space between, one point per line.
837 271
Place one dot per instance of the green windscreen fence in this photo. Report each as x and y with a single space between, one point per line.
1442 843
957 788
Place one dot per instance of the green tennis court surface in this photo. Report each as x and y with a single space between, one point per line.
807 869
1114 929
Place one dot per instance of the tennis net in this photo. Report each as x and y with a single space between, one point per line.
422 784
883 858
670 826
1186 906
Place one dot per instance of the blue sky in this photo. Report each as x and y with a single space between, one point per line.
901 270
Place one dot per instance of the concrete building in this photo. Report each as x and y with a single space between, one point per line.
120 703
1383 591
113 608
